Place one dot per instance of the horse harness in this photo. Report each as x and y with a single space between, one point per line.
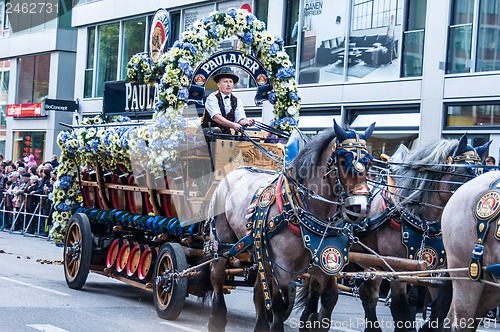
328 239
487 211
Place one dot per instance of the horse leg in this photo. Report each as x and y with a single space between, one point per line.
279 308
329 298
261 322
440 304
218 320
369 294
400 308
311 302
466 296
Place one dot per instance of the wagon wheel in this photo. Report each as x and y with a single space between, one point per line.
169 293
77 251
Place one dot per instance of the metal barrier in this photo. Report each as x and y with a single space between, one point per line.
19 220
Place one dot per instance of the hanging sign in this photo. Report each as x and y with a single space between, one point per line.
158 35
25 110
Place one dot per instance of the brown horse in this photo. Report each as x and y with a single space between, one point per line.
324 187
423 183
412 208
471 236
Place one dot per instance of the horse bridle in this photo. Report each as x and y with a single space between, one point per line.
357 160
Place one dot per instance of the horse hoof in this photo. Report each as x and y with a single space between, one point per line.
212 328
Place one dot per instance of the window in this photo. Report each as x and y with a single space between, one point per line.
107 55
292 30
370 14
5 17
479 115
460 37
105 61
133 41
4 81
413 38
488 45
33 78
89 68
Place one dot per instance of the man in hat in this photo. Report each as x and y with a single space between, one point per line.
223 109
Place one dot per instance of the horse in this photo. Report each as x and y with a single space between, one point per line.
421 184
411 208
324 187
471 236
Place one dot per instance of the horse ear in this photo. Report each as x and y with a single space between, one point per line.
369 131
341 133
462 146
481 150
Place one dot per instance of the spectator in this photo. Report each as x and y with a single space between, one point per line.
490 161
9 197
31 161
3 180
54 161
31 202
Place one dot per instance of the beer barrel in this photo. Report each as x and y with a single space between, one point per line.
113 250
134 259
122 258
146 263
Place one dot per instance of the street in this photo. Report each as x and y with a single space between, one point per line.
35 297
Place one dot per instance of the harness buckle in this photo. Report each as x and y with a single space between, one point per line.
406 235
478 250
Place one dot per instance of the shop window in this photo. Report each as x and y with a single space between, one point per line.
34 74
29 142
4 81
370 14
481 115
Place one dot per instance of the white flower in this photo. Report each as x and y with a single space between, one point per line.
292 110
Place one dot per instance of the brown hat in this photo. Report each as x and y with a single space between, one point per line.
226 72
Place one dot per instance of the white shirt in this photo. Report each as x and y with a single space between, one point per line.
212 107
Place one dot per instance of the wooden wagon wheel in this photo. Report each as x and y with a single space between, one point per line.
77 251
169 292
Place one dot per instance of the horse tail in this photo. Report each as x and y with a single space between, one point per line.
303 294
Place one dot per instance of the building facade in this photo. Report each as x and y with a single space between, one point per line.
421 69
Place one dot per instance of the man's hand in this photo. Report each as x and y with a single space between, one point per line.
247 122
236 127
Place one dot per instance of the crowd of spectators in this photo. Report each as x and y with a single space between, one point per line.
26 189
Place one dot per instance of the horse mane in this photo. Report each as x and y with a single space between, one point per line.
309 157
423 164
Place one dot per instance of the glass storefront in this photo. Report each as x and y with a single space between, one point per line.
29 142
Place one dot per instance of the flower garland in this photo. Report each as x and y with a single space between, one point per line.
155 146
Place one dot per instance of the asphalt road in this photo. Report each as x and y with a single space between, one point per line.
35 297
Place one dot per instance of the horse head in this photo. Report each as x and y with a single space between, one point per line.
351 161
466 154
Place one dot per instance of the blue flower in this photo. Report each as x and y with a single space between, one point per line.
285 73
183 93
162 122
275 48
251 18
65 182
248 38
293 96
232 12
62 207
207 20
272 97
181 122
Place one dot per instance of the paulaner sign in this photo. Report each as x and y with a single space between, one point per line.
229 59
122 98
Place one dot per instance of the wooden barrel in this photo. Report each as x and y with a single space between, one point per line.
146 263
122 258
113 250
134 259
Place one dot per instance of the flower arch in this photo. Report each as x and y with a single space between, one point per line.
153 146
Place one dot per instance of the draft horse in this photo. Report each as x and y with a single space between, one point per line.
420 184
405 221
296 222
471 236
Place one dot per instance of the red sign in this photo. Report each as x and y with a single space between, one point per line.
21 110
